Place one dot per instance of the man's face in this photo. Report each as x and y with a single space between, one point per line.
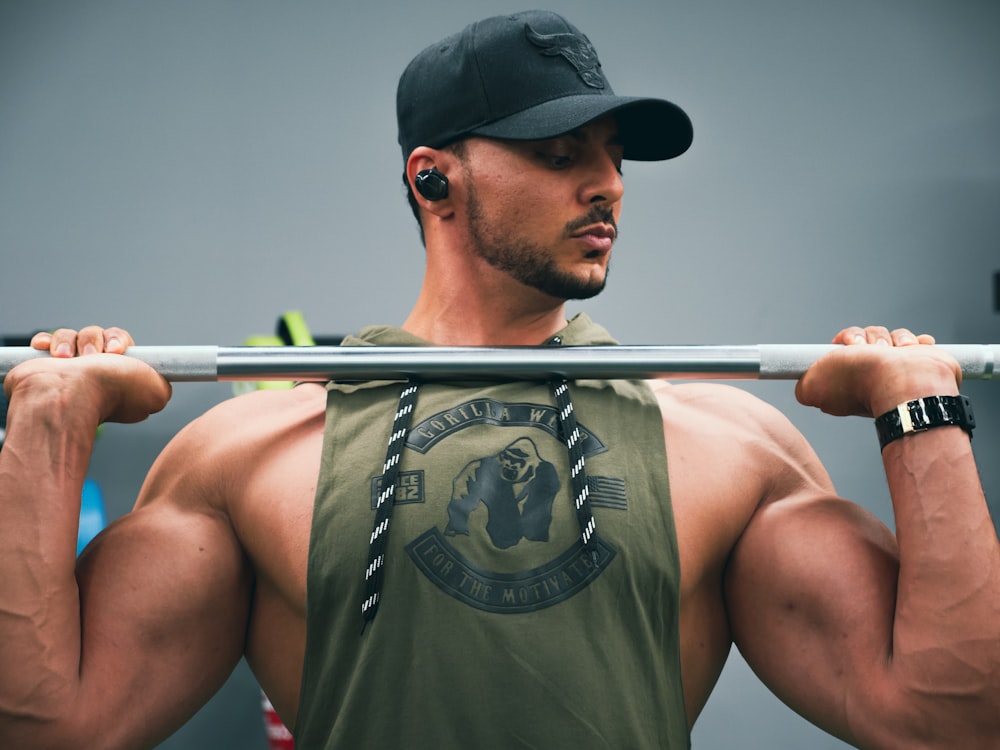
546 212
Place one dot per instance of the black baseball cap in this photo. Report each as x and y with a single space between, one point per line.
525 76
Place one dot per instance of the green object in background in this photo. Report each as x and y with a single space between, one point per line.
291 331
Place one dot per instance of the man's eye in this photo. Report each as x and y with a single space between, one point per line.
557 161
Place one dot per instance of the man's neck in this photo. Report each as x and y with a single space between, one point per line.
448 331
466 301
478 322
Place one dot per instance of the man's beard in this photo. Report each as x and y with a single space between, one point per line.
532 264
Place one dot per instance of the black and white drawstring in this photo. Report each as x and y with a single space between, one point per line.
570 433
385 503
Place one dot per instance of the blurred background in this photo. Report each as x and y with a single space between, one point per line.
191 170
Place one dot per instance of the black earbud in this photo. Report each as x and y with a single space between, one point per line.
432 184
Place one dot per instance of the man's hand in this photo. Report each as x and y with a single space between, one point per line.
881 335
81 374
876 370
90 340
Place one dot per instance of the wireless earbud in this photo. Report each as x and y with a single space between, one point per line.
431 184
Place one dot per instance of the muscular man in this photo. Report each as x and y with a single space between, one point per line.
688 517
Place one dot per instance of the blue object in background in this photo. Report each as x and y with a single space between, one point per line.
93 517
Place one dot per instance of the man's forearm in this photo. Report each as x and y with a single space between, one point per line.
42 468
946 633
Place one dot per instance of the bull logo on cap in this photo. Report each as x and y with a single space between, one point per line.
576 49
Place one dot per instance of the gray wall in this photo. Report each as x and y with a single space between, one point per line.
191 169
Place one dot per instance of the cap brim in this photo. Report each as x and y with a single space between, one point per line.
650 129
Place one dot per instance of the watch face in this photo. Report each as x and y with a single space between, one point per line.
967 419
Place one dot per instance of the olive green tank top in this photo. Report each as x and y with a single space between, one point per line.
494 629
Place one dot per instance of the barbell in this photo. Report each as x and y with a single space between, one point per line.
359 363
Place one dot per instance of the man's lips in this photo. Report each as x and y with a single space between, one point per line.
597 236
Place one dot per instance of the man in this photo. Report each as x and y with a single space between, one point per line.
263 530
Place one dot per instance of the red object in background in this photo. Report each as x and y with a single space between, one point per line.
278 736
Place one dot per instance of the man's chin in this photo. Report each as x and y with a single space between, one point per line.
588 292
565 286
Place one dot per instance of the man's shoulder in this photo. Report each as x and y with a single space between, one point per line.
729 454
692 400
714 419
257 415
238 434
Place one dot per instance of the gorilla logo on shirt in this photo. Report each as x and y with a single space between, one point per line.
516 485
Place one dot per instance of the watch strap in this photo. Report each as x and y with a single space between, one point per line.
925 414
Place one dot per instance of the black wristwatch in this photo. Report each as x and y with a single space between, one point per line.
924 414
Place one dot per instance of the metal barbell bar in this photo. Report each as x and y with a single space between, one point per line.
358 363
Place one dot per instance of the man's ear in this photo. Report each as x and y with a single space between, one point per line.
427 173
